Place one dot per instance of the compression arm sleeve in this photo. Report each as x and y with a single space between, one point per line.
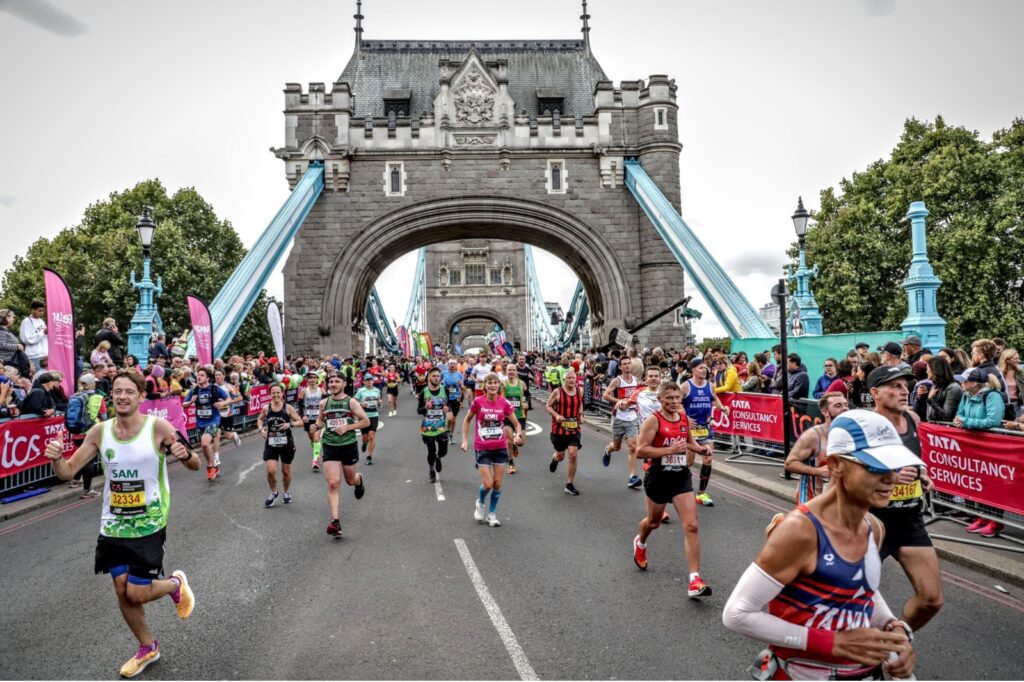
882 614
745 611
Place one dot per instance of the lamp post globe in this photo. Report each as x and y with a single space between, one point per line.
800 218
146 228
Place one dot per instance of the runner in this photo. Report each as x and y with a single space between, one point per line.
309 397
420 374
807 457
434 406
565 405
647 403
490 410
625 422
136 503
905 536
513 391
339 418
480 371
666 440
826 619
524 371
227 416
275 424
391 380
454 386
208 400
552 377
369 397
698 399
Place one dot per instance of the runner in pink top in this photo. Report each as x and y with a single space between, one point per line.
492 412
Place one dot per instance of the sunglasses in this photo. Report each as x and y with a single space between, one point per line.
870 469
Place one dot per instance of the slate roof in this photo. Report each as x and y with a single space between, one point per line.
386 65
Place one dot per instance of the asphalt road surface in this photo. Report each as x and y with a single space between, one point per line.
417 589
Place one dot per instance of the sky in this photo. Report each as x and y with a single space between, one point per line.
777 99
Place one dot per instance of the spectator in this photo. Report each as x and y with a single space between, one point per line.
799 384
826 379
613 364
132 362
1009 366
952 359
100 354
774 372
109 333
943 398
891 355
963 360
756 382
912 350
33 333
862 350
91 408
983 355
860 395
39 400
60 400
726 379
1000 345
10 346
922 383
740 363
843 380
100 374
981 406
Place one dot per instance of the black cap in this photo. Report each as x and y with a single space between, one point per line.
883 375
862 344
892 348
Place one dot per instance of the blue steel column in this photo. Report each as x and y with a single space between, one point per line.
810 316
146 319
922 286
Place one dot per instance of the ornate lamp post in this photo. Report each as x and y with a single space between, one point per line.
146 319
809 316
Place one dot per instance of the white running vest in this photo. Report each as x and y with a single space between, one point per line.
136 498
624 391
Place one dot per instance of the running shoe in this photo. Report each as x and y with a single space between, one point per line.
238 441
553 466
639 554
437 464
334 528
511 467
705 500
369 461
698 588
211 473
990 529
364 445
142 658
976 525
478 513
183 598
316 465
90 493
665 518
360 489
634 482
271 499
287 497
571 489
606 458
492 520
433 476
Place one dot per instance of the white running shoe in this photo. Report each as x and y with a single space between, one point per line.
492 520
238 441
478 513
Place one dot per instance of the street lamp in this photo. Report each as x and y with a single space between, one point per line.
147 318
800 218
809 315
146 228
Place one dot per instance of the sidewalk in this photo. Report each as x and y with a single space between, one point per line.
1003 565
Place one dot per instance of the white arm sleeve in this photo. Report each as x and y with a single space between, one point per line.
744 612
882 613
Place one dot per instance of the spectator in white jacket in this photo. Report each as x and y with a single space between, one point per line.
33 333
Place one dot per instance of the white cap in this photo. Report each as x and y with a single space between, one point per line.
872 439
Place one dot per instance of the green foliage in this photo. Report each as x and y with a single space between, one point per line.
725 343
974 191
194 251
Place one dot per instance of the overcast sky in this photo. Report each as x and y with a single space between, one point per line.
776 99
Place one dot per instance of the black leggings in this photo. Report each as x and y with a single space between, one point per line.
86 474
437 447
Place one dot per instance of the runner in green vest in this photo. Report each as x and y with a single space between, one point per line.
552 376
339 419
369 398
513 392
433 405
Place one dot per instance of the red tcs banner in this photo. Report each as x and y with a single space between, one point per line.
977 465
22 442
755 415
259 397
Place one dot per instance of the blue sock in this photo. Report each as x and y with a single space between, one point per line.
483 494
495 496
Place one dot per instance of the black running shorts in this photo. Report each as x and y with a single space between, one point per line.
346 454
662 486
143 556
561 443
903 528
286 454
372 427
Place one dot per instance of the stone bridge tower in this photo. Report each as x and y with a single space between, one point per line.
425 142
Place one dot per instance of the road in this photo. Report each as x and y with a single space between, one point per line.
418 590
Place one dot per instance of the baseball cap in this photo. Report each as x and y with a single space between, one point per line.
883 375
892 348
862 344
912 340
976 375
870 438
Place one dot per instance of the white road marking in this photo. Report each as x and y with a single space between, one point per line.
508 638
241 476
439 490
532 429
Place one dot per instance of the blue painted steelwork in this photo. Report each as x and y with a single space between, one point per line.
921 286
414 314
579 311
239 293
377 323
739 318
541 331
803 299
147 318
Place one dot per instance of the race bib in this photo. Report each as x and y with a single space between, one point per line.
906 491
336 423
434 414
127 498
204 413
392 384
490 431
515 402
674 460
570 425
313 412
370 404
277 441
700 432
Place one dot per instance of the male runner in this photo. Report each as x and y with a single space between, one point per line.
819 570
698 398
275 425
208 399
309 397
666 440
227 416
452 379
905 536
513 391
433 404
420 373
480 371
136 503
647 403
490 411
340 417
391 380
525 375
625 421
565 405
369 397
807 457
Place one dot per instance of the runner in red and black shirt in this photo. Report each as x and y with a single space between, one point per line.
566 409
420 374
665 439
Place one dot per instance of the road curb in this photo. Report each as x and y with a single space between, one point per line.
977 559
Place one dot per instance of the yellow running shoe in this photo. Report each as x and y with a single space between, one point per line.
142 658
186 600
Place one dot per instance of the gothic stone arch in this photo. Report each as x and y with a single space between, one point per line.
477 314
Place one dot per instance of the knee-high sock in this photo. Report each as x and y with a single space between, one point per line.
483 494
316 448
705 474
495 496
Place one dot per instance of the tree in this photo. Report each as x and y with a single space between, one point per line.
975 197
194 252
